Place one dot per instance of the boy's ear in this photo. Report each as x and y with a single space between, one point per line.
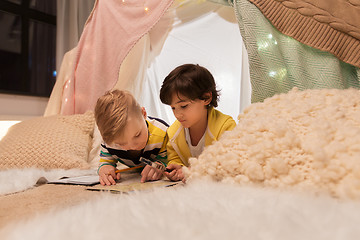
143 112
207 98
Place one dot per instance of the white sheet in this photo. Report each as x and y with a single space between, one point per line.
204 33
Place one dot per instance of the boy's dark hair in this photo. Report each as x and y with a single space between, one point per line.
191 81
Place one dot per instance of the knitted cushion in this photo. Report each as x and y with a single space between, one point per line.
48 142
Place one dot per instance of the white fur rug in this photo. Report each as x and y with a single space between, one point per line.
16 180
199 210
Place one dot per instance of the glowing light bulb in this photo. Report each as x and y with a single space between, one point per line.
263 45
280 74
272 73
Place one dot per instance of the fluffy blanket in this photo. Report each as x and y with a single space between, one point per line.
308 140
198 210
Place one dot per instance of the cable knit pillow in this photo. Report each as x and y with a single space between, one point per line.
48 142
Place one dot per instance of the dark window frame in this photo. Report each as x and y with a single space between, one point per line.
27 14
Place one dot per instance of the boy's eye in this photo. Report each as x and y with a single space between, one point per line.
185 106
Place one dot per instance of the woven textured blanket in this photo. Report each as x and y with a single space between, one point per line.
329 25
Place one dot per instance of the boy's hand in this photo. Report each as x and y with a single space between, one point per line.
107 175
176 173
150 174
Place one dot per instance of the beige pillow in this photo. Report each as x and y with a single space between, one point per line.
48 142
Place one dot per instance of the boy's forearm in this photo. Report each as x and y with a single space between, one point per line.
104 164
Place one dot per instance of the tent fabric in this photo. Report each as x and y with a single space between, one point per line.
106 40
188 32
328 25
279 62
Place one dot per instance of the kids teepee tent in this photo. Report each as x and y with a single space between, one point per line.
133 45
136 51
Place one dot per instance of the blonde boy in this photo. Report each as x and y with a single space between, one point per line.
128 134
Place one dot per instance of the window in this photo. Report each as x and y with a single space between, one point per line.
27 47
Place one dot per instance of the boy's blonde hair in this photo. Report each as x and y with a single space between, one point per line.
112 111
